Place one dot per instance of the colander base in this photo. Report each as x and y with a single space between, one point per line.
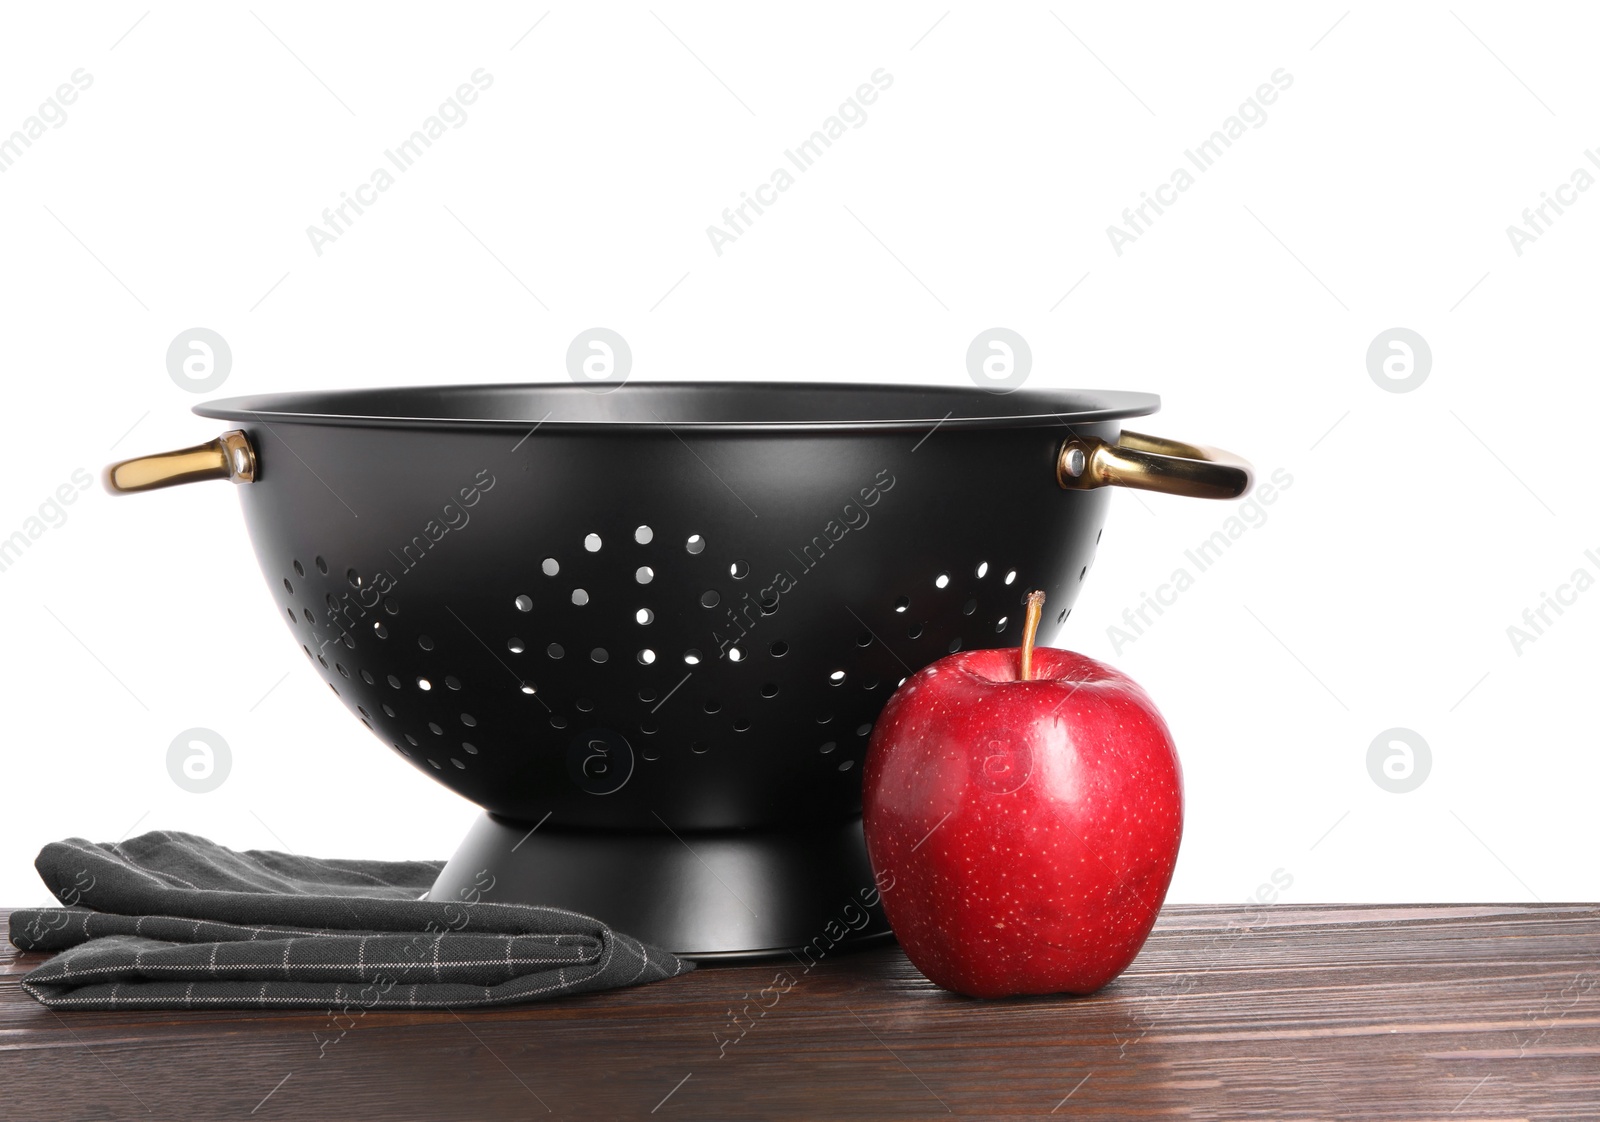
805 892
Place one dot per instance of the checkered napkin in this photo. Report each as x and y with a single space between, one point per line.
173 921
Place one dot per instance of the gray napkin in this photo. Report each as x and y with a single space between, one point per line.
173 921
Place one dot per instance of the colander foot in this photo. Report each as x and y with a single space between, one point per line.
701 894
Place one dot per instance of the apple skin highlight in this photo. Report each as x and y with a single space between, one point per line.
1030 827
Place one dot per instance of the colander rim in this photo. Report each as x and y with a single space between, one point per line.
618 410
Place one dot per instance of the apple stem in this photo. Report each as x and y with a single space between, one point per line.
1030 632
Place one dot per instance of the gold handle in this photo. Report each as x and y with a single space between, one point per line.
230 456
1152 463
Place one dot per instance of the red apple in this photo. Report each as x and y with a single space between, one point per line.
1022 810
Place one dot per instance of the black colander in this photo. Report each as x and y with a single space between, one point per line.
643 626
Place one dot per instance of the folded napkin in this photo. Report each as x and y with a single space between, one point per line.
173 921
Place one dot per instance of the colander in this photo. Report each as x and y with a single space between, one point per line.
648 631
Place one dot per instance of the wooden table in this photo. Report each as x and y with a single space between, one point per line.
1457 1012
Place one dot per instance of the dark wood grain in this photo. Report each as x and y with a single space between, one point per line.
1460 1012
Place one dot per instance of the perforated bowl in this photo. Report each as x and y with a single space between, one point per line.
670 607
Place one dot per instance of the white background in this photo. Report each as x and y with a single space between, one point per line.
1419 526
